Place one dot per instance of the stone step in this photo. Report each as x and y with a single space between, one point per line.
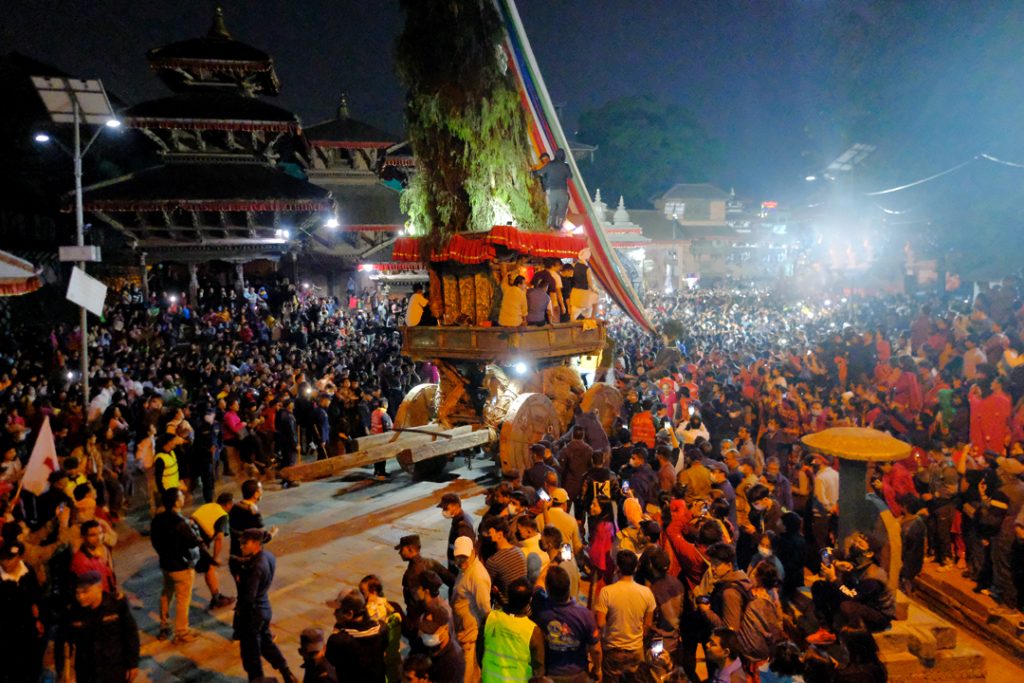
961 665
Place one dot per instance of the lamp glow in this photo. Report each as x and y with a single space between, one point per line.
113 123
332 222
42 137
520 368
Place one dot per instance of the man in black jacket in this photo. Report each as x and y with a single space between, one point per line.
104 634
178 547
462 524
287 439
358 642
252 611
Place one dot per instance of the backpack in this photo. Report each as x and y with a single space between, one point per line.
599 490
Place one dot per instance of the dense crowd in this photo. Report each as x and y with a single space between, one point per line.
699 523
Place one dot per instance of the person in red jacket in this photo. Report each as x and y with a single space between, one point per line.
990 416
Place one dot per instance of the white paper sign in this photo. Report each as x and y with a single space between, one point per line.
86 291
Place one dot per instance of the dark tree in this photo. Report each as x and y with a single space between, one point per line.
644 147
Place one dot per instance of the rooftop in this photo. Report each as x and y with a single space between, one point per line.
208 106
694 191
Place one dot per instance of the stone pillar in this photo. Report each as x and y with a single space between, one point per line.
240 276
193 284
856 513
144 279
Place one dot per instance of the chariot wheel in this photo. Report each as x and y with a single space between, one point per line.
419 408
529 418
606 399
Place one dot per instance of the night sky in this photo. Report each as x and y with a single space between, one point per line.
770 80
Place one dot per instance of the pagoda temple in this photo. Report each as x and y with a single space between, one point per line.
219 191
363 168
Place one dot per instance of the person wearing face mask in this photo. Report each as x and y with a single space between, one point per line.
461 524
358 643
508 563
727 589
447 660
471 603
854 590
766 555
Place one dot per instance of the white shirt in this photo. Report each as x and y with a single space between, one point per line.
826 487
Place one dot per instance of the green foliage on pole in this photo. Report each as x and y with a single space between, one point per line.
466 125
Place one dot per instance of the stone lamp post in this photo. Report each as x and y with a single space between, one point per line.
856 447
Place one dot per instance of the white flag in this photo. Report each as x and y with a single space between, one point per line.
42 462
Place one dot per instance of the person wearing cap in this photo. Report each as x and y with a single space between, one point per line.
409 550
471 603
447 660
252 610
461 524
357 645
311 648
1007 545
20 628
558 517
245 515
103 632
512 647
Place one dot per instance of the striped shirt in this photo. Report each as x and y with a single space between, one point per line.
505 566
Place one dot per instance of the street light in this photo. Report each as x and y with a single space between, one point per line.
72 100
332 222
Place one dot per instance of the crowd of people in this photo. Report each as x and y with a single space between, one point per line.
698 524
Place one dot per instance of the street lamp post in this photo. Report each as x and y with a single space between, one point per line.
64 99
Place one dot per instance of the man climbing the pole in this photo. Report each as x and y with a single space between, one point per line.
554 176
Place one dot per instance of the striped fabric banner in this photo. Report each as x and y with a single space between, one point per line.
546 134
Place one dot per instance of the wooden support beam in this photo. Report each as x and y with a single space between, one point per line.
385 446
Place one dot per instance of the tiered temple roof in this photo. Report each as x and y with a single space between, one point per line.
217 191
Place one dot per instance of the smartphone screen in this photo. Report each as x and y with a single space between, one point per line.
566 552
657 646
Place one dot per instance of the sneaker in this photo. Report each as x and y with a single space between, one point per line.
186 637
821 637
382 477
164 633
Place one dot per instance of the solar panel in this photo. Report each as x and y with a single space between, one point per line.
60 94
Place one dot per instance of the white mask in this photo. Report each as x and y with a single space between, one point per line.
430 639
764 552
447 514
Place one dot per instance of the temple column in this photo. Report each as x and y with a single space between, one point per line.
240 276
193 284
144 277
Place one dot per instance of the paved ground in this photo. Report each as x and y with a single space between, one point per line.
333 532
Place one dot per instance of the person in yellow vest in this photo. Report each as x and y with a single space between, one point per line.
511 647
73 468
212 520
165 465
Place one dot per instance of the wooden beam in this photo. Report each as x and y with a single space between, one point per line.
421 447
